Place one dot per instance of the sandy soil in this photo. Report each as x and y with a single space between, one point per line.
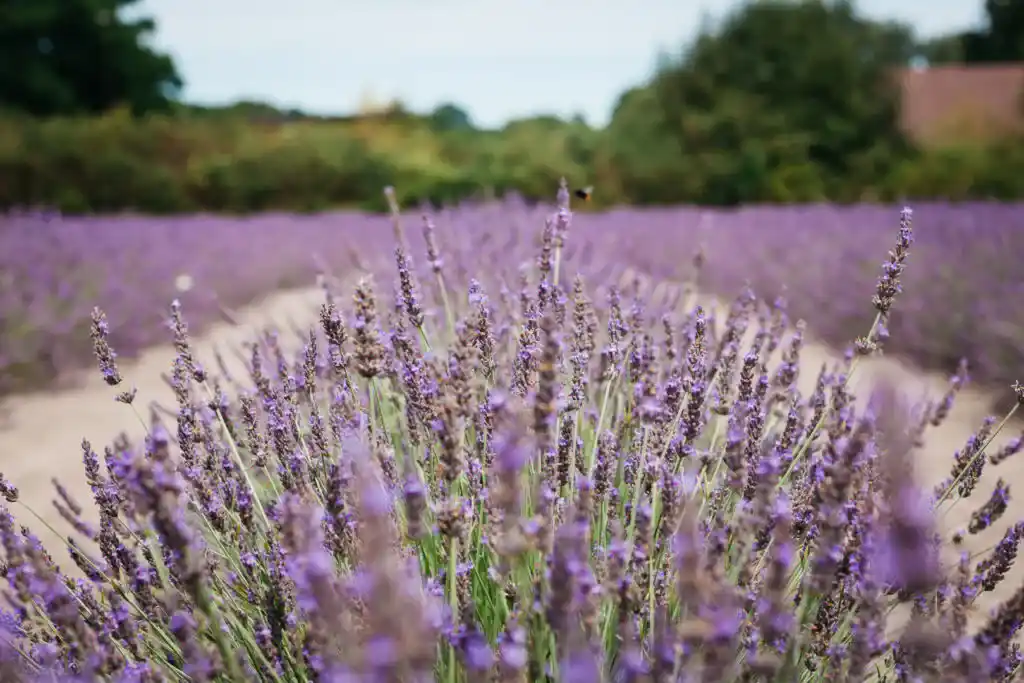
41 435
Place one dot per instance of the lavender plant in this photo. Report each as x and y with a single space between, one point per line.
560 483
960 299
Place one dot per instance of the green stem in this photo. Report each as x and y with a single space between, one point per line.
571 483
424 339
977 455
453 600
121 590
805 443
227 652
637 488
600 426
448 313
256 500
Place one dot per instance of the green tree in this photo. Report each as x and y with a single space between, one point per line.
449 117
1002 39
80 56
639 155
782 81
943 50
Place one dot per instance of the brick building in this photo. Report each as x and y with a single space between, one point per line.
950 105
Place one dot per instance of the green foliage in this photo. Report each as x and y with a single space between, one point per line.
449 117
290 174
162 165
783 101
788 102
636 151
80 56
991 172
224 164
1002 40
779 83
943 50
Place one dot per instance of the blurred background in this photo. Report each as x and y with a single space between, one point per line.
184 106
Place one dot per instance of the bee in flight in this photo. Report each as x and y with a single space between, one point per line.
585 193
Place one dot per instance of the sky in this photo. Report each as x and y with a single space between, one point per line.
498 59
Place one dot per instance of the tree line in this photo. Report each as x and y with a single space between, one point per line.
781 100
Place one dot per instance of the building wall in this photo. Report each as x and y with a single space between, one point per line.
949 105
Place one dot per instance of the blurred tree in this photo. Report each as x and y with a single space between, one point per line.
80 56
449 117
542 122
943 50
807 82
1002 39
252 110
639 156
581 141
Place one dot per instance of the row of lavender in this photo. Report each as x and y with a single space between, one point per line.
53 271
962 300
545 483
962 295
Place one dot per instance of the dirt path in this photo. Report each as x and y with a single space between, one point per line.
42 434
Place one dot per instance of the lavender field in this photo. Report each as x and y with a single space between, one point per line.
961 295
509 446
53 271
962 300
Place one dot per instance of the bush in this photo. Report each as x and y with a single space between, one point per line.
288 176
230 164
437 487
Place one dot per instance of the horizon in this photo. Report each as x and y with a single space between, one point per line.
545 60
